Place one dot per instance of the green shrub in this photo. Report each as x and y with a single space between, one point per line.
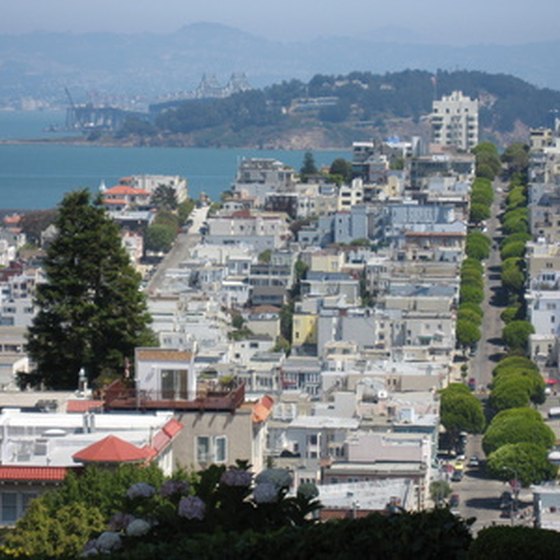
508 543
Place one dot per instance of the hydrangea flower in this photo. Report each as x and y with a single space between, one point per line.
265 493
236 477
108 541
308 491
90 549
174 487
192 507
138 528
281 478
120 521
141 490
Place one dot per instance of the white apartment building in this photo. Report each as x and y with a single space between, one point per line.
454 121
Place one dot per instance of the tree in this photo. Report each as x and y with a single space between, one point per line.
471 294
439 490
514 362
479 212
515 237
470 316
468 333
184 210
516 334
516 159
488 163
342 168
527 461
159 238
472 307
164 197
91 312
517 425
460 411
472 264
510 313
515 377
308 167
60 522
513 275
510 392
514 249
42 533
265 256
477 246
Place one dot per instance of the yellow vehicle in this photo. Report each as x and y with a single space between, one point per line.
459 465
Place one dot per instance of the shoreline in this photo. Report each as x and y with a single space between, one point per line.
71 141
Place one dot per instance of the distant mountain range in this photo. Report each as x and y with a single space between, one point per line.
150 66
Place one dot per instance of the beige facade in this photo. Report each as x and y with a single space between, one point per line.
219 437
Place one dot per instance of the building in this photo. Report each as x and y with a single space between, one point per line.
454 121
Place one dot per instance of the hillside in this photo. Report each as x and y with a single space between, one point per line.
351 107
148 65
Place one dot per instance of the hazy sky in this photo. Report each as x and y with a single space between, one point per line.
438 21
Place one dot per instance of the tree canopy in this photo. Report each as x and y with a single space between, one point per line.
164 197
517 425
308 167
516 334
461 410
527 461
91 313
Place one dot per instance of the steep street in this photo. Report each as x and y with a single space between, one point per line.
184 242
489 348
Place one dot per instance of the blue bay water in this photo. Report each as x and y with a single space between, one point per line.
36 176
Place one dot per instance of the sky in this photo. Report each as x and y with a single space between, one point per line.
435 21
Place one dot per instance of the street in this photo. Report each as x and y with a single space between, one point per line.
489 349
180 250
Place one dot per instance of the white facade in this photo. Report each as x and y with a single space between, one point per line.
454 121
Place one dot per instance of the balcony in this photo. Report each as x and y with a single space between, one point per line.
119 397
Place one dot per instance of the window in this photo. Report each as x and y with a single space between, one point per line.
203 449
220 443
211 449
9 507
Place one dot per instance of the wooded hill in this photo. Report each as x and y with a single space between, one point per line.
359 100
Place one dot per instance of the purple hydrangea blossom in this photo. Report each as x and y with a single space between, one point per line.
138 528
192 507
141 490
265 493
236 477
90 549
281 478
108 541
308 491
120 521
173 488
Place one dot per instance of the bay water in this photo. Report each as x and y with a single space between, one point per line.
37 175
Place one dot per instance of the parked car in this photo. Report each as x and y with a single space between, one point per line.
457 476
454 501
474 462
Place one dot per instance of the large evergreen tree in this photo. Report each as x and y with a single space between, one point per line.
91 313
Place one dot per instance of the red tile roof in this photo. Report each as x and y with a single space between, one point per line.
165 436
126 190
53 474
83 405
112 449
262 409
172 428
